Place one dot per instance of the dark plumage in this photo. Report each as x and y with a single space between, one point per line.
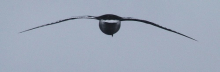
110 23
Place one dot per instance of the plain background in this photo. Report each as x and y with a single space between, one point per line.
80 46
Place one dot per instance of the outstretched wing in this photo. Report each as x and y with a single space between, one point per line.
151 23
72 18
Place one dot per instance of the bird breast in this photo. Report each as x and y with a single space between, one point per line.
109 27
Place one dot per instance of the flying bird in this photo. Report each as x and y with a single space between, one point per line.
110 23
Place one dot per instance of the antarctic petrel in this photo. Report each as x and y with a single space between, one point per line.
110 23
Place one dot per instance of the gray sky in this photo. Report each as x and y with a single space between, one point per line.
80 46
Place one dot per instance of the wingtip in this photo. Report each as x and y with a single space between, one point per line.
22 31
195 40
191 38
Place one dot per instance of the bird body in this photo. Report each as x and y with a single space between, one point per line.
109 27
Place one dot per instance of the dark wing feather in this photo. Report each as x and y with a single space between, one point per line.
80 17
151 23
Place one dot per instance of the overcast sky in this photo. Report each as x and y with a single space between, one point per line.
80 46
